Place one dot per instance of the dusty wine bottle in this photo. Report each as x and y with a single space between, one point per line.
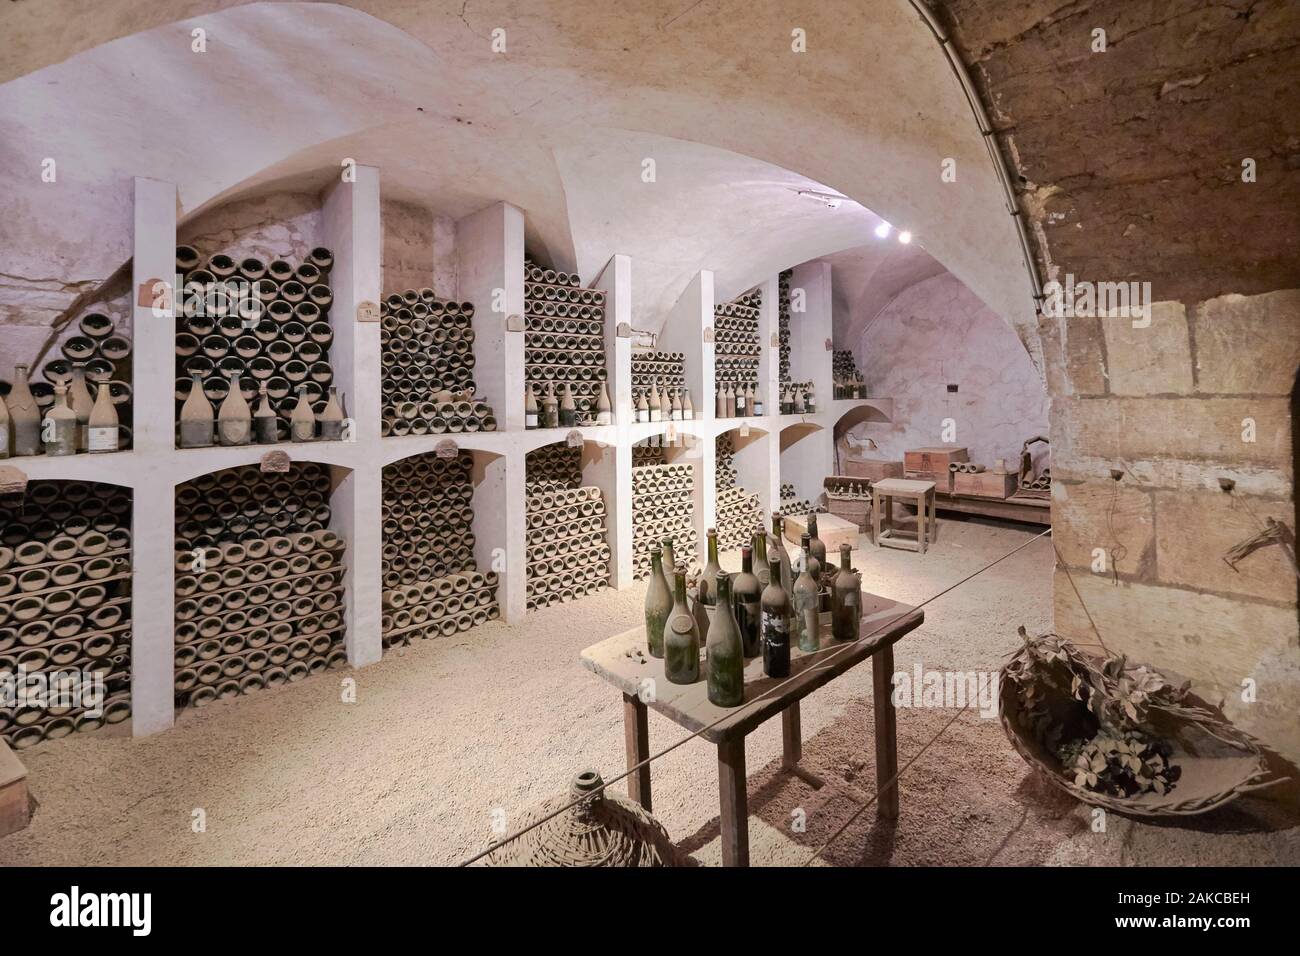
531 413
80 402
196 416
760 558
302 422
818 546
102 427
746 594
846 599
568 410
806 622
776 551
331 418
24 414
4 428
775 616
604 411
59 429
658 606
708 586
265 428
724 651
681 640
235 418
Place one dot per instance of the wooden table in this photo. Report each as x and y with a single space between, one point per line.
883 494
642 682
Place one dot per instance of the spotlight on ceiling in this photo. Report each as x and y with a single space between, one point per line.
882 230
830 200
904 237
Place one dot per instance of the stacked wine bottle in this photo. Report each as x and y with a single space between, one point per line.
659 390
568 551
254 337
82 402
783 324
432 586
564 350
738 510
428 364
663 506
65 609
845 375
736 355
259 582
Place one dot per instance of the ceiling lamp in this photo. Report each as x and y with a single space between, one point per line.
830 200
882 230
904 237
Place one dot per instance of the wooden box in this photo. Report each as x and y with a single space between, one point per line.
934 460
15 804
872 468
942 479
985 484
832 530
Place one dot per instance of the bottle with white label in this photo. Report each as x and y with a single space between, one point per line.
741 394
102 429
758 404
688 410
530 407
774 616
642 408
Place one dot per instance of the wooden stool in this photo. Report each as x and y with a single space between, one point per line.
883 493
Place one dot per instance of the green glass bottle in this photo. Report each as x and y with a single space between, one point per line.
818 546
681 639
846 599
746 595
776 549
708 587
775 612
725 651
760 557
658 605
669 562
805 623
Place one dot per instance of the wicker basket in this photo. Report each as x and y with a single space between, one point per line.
1217 761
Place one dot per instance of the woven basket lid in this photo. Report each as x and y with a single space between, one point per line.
605 829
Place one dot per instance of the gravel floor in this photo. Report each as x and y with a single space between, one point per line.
446 735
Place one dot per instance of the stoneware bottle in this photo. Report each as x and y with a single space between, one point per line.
59 429
80 402
235 418
24 415
331 417
196 417
302 423
658 605
724 652
265 421
103 431
681 640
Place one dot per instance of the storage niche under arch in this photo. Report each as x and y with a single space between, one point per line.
438 577
259 581
65 610
566 529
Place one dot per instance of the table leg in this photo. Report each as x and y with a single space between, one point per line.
882 672
876 502
791 738
636 741
733 819
920 523
934 514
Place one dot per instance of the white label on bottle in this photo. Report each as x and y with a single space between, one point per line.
102 439
775 629
530 420
740 403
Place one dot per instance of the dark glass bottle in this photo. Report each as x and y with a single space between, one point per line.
669 562
725 651
681 639
746 595
708 587
760 557
775 612
777 553
846 600
805 623
810 560
658 605
818 546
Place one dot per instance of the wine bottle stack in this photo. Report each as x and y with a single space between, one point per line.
432 585
254 338
845 375
738 510
65 609
798 398
568 551
428 366
736 355
798 506
84 404
783 324
564 350
663 506
259 582
659 390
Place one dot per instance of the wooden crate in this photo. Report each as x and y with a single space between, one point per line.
872 468
858 512
985 484
934 460
15 804
832 530
942 479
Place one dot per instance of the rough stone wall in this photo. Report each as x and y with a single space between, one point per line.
418 249
276 225
1131 164
937 333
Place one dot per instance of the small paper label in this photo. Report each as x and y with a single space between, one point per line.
102 439
367 311
446 449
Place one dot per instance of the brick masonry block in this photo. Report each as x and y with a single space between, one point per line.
1153 360
1114 516
1248 344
